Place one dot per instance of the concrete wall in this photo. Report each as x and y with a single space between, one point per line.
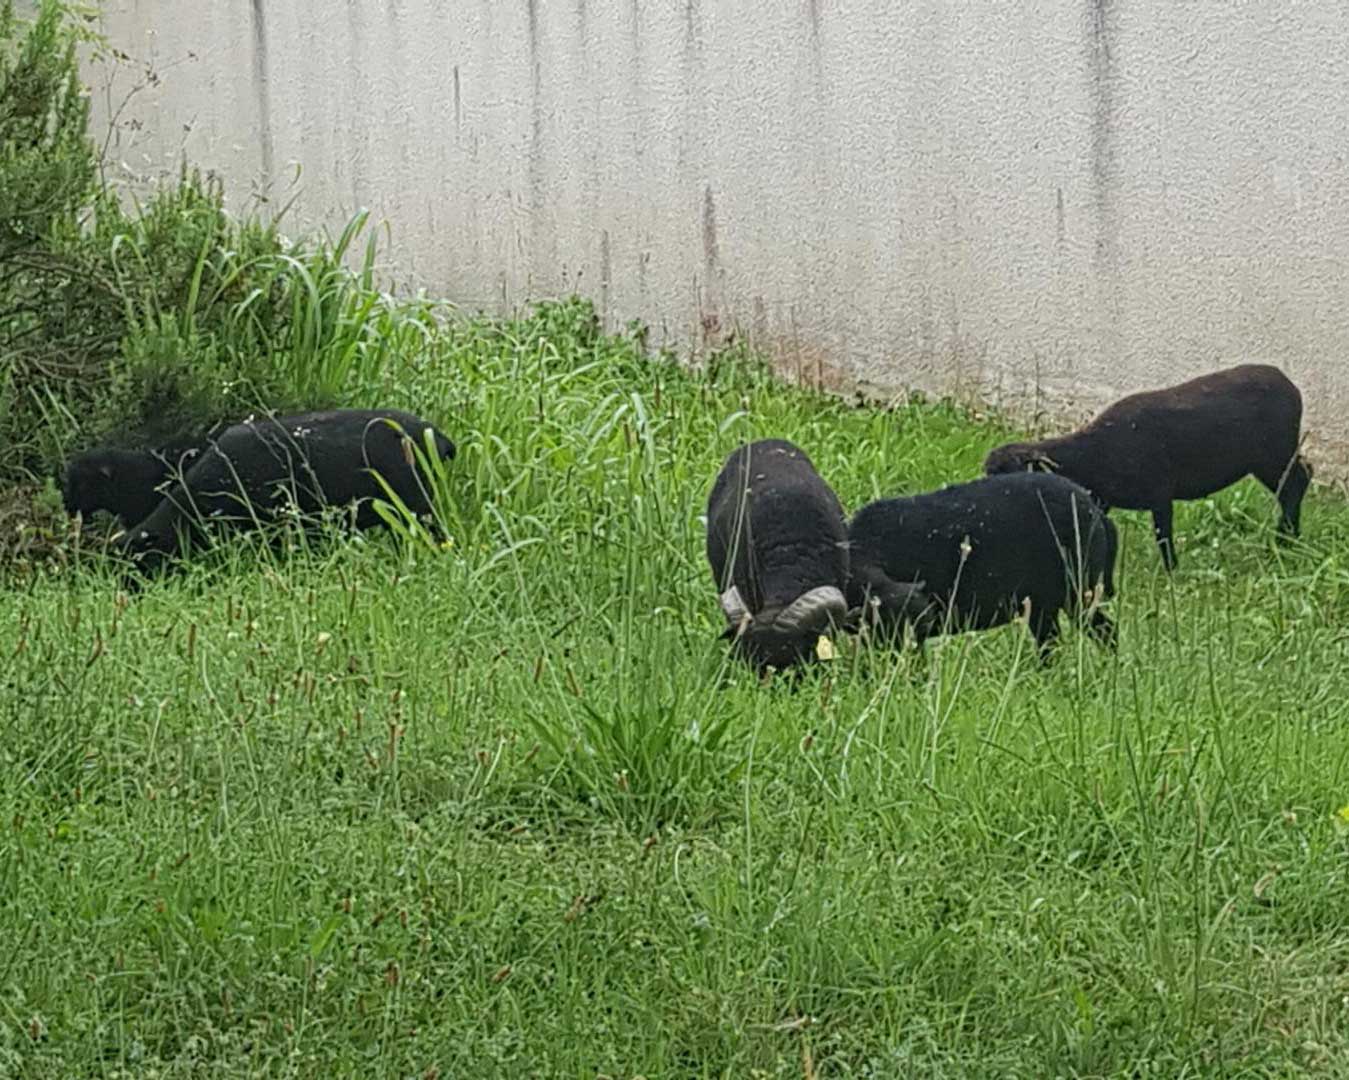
1048 202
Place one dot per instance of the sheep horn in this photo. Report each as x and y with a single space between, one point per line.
812 610
734 607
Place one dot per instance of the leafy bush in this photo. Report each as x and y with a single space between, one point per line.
132 321
53 311
47 164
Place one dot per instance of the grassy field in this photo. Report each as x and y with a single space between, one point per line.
503 808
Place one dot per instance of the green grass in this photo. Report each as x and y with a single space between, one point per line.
505 809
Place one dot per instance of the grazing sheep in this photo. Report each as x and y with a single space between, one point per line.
126 483
1184 442
311 460
776 542
986 551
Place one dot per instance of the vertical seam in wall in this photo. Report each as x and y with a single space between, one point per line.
536 204
260 84
1103 148
1104 165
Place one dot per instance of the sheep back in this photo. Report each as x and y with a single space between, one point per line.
311 460
775 528
1182 442
985 548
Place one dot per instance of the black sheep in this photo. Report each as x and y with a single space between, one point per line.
987 551
309 460
128 484
1184 442
776 542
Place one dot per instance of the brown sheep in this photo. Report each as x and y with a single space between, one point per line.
1183 442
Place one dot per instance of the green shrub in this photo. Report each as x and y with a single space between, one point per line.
132 321
47 164
181 264
53 309
153 395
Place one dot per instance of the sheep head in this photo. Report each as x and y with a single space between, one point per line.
888 610
785 636
1019 457
84 481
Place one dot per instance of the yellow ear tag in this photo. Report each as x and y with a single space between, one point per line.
824 648
1340 819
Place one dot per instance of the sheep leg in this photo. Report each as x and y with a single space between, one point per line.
1288 488
1102 628
1044 626
144 561
1161 529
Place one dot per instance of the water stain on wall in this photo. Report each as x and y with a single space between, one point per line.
635 76
536 148
711 304
590 137
1104 164
1103 156
690 140
606 273
355 134
794 357
759 321
262 89
396 102
711 255
635 24
458 102
821 136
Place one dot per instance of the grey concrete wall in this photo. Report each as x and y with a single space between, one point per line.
1045 202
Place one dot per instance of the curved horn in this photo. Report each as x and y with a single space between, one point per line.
813 610
734 606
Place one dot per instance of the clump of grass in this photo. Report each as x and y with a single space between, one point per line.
344 339
646 760
223 315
